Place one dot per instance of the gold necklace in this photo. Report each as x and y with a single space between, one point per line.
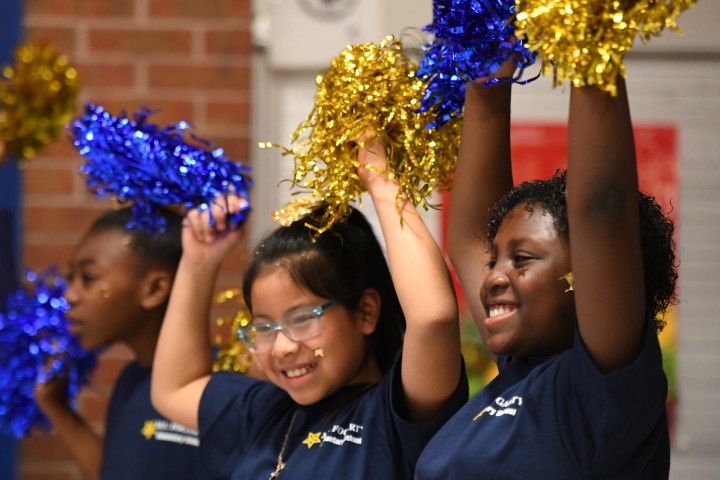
280 464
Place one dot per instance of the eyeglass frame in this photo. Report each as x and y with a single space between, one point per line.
279 326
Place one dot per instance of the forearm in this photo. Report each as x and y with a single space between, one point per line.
431 349
183 359
604 218
483 175
84 445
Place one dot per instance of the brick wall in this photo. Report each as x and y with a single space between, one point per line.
188 58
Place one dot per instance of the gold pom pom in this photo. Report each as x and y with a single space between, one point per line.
370 86
232 355
585 41
297 209
37 99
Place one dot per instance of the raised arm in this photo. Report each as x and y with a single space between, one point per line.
431 360
82 442
482 176
183 360
602 194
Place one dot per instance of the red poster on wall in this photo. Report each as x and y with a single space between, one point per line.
538 150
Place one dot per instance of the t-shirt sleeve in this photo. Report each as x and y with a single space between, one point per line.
414 437
225 417
611 417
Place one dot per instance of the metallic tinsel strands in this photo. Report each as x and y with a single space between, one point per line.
37 99
370 86
585 41
471 39
151 166
232 354
35 347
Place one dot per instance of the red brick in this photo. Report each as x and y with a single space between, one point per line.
62 147
235 148
94 75
166 111
228 113
140 42
40 181
200 77
63 39
228 42
85 8
59 220
42 256
221 9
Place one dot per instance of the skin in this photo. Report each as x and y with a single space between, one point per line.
113 298
604 236
431 348
343 338
522 295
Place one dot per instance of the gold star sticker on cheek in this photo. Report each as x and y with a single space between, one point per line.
568 277
312 439
521 271
148 429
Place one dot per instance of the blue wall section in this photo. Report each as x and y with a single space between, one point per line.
10 184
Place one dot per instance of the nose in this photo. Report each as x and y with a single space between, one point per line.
283 345
71 294
495 279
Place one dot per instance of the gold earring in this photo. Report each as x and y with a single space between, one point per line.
568 277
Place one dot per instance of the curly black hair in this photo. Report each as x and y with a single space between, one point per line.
656 235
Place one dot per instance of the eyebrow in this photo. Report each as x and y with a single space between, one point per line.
265 316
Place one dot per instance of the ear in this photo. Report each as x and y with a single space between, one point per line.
155 289
367 311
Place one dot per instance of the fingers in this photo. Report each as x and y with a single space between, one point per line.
210 223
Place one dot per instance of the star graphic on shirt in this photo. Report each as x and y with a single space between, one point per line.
148 429
312 439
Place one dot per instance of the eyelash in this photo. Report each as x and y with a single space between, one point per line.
516 259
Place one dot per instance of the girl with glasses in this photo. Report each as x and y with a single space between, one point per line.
363 360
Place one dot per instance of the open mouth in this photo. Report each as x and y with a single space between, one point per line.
500 310
298 372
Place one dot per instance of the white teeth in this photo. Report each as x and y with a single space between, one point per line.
298 371
498 310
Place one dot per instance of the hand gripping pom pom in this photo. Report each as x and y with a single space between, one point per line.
149 166
37 100
35 347
370 86
585 41
472 38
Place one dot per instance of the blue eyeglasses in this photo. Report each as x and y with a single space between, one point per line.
297 326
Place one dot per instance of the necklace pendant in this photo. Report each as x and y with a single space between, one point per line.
279 467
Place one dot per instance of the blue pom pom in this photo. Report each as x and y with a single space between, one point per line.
471 40
150 167
36 346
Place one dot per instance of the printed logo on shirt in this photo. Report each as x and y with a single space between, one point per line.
165 431
501 407
337 435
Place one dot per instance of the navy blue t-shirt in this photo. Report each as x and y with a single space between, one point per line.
243 423
562 419
142 444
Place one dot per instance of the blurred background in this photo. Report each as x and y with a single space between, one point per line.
244 71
